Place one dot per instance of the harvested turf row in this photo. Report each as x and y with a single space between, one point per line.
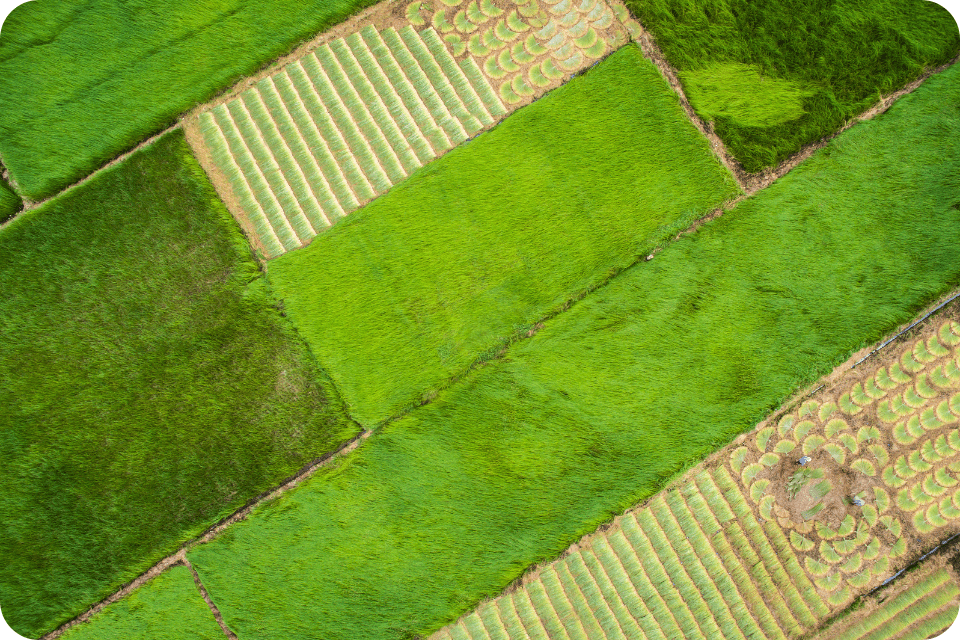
541 446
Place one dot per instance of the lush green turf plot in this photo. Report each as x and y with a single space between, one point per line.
148 386
776 75
169 607
484 242
10 202
81 82
644 377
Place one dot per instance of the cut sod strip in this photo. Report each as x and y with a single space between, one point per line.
168 607
495 235
766 100
923 610
342 125
450 503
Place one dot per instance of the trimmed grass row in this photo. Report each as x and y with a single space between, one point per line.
409 291
773 75
169 607
148 384
609 400
81 83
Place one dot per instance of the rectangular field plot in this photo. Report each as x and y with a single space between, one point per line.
148 384
169 607
453 501
310 144
487 240
773 77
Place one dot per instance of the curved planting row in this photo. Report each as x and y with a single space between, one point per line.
881 467
532 45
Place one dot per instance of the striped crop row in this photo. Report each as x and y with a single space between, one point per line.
693 563
924 610
340 126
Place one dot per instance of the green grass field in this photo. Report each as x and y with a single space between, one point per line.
149 385
774 76
409 291
612 398
82 82
169 607
10 202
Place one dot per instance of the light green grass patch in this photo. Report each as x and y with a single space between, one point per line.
478 246
169 607
742 94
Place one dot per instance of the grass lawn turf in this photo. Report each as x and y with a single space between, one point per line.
609 400
169 607
773 75
148 383
478 246
81 82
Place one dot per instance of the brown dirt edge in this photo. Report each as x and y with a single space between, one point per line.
206 598
753 182
180 556
716 459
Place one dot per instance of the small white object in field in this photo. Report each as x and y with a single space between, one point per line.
804 460
649 258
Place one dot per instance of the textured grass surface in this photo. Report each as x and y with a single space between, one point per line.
410 290
81 82
610 399
148 386
10 202
169 607
840 53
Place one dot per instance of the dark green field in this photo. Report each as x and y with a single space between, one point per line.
81 83
10 202
149 385
773 75
480 245
594 413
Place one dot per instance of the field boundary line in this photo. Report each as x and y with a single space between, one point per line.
179 557
206 598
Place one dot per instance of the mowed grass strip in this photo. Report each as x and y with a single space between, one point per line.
81 83
774 76
148 384
412 289
169 607
612 398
